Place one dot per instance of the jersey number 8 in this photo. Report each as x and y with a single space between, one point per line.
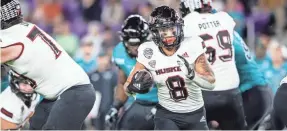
224 42
177 89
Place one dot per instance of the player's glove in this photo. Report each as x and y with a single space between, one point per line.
111 117
141 82
185 67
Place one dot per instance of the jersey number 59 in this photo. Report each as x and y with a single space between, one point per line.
35 32
224 42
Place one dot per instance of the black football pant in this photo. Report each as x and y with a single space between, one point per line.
167 120
279 114
138 116
66 113
257 103
225 107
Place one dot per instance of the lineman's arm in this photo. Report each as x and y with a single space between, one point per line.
11 52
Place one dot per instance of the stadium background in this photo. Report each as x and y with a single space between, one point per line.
88 31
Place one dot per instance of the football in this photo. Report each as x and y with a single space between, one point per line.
145 78
144 74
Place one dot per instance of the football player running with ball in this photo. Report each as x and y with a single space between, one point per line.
139 115
178 67
20 91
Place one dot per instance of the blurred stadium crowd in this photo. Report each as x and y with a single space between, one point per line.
88 31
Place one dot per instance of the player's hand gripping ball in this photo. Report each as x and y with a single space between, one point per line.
142 82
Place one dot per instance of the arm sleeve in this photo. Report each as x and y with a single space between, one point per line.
5 42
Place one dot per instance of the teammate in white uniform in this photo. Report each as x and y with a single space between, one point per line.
36 56
217 32
13 115
179 68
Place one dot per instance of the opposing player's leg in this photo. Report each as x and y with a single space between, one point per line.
71 109
257 105
41 114
279 115
138 117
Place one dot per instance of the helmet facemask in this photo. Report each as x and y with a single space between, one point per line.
168 36
10 13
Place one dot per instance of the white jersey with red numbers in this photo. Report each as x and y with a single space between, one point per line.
14 110
217 32
42 60
175 91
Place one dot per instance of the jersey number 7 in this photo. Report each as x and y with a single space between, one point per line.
35 32
223 41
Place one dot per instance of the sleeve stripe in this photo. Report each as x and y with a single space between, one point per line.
7 113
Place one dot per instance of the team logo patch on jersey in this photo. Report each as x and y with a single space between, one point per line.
152 63
148 52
